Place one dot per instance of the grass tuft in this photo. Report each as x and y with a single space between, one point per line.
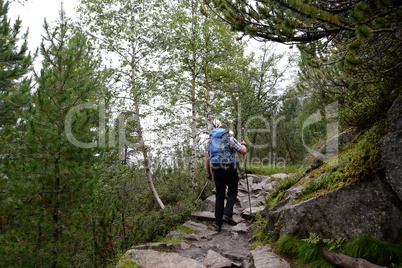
308 253
375 251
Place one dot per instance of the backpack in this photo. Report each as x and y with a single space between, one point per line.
219 147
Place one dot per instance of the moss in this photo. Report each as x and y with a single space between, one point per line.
125 263
276 200
185 230
359 160
282 187
261 236
173 240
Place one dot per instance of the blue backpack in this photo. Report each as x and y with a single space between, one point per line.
219 147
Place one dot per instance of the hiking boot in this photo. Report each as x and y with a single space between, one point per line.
216 227
229 220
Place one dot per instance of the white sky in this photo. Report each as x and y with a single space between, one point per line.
33 13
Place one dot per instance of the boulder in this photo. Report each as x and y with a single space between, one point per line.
356 209
209 204
203 215
240 228
392 148
215 260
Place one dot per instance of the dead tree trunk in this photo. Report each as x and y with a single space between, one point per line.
345 261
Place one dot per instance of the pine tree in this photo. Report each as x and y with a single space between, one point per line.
14 88
305 21
15 99
364 71
51 184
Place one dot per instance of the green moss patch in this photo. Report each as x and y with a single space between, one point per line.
359 160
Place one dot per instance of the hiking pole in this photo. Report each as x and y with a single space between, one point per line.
203 188
248 186
245 171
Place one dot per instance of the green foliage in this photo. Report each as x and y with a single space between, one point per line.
375 251
15 96
51 186
125 263
305 251
288 246
279 193
260 234
185 230
308 251
172 240
331 244
359 160
271 169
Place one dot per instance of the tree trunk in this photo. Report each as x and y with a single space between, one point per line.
345 261
144 150
193 156
210 124
193 159
147 162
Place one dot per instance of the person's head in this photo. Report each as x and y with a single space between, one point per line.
225 127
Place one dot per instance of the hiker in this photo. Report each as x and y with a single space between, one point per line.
220 164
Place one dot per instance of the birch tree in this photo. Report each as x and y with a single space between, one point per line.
202 48
132 32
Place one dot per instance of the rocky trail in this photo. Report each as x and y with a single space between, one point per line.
205 247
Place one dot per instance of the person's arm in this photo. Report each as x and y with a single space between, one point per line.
243 149
207 167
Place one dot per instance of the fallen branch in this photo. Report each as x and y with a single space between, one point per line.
345 261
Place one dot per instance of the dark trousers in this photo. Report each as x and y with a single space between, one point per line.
225 176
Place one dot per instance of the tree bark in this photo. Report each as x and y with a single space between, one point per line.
147 162
143 147
193 154
345 261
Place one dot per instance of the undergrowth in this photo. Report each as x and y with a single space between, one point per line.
125 263
279 192
376 251
308 251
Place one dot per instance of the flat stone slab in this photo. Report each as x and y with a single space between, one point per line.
215 260
196 226
203 215
264 258
153 259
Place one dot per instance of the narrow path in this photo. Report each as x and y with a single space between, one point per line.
207 248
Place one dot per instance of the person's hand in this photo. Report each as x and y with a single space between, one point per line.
209 177
243 143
